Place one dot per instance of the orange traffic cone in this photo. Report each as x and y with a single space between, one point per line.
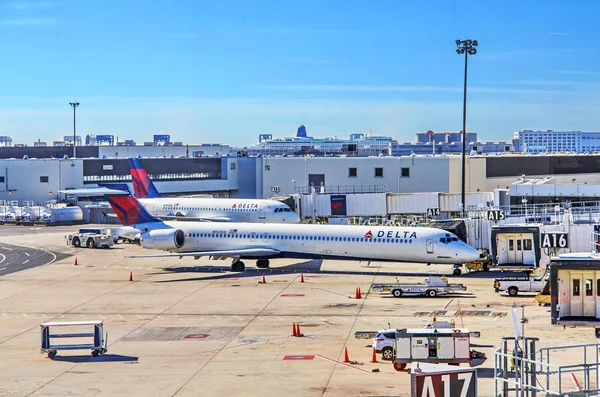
374 358
130 276
301 277
298 330
75 261
346 358
264 280
294 333
359 293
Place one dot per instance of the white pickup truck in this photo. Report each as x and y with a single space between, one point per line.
514 285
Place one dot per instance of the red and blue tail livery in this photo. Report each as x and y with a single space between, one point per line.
130 211
142 185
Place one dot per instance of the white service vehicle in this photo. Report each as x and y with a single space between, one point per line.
384 340
91 238
514 285
432 286
451 346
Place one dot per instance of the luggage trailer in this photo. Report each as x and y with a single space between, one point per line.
98 343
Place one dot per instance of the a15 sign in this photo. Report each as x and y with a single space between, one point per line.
495 215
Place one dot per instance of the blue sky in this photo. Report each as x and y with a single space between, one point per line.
226 71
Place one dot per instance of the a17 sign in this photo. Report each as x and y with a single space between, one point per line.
453 384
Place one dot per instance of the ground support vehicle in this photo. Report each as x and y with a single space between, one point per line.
384 340
432 286
90 240
514 285
450 346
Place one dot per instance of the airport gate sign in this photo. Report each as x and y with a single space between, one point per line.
431 212
495 215
555 240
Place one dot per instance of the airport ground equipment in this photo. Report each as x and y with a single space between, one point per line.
96 341
514 285
544 297
435 346
91 238
432 286
383 340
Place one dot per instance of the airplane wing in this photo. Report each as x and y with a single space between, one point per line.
195 219
266 252
94 191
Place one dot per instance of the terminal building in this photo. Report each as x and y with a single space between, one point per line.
39 173
552 141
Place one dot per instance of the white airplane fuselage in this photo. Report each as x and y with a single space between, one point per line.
220 210
378 243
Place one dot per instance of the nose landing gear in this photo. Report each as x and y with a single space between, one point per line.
457 271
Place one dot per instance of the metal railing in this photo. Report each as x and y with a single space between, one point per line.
530 375
341 189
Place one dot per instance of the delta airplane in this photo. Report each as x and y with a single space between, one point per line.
205 209
263 242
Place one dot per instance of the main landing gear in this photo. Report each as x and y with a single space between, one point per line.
238 266
262 263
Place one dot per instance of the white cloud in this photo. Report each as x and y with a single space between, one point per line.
317 31
28 22
35 5
557 34
406 88
576 72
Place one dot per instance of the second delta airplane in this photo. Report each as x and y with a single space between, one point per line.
263 242
205 209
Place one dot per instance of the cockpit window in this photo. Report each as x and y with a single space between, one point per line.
447 240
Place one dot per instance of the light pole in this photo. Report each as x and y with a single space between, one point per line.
74 106
466 47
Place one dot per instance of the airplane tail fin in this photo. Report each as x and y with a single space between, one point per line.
142 185
130 211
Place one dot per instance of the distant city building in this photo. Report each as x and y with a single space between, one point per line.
359 144
552 141
444 137
408 148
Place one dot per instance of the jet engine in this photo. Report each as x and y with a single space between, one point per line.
163 239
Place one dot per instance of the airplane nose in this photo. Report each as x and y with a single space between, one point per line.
471 254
